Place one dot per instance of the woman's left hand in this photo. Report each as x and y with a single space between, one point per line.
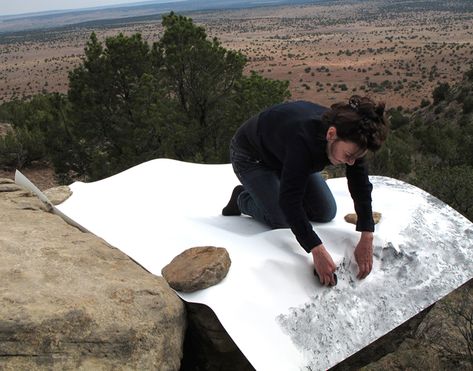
364 254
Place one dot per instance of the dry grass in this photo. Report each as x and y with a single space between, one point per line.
41 175
326 52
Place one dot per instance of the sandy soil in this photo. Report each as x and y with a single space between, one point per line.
327 52
41 175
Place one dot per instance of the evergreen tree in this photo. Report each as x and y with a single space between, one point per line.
129 103
202 75
119 108
440 92
38 130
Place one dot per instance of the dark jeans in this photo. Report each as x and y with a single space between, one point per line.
260 199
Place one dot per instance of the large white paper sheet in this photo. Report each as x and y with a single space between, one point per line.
24 182
270 303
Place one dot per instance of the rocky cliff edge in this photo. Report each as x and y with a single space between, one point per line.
70 301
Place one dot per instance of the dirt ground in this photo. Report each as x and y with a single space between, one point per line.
397 54
41 175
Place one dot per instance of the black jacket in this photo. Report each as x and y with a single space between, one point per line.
291 138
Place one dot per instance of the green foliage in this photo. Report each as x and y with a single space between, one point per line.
121 114
181 98
255 92
38 130
21 147
454 185
395 158
202 75
469 74
424 103
468 105
250 95
127 103
397 119
433 149
463 94
440 93
439 109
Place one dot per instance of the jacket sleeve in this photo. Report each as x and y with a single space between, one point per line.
360 189
294 178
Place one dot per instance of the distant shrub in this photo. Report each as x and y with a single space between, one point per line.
440 92
464 93
451 112
21 146
464 120
469 74
456 192
468 105
424 103
397 119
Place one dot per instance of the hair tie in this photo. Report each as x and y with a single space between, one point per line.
354 102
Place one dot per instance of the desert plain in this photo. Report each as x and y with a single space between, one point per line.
390 50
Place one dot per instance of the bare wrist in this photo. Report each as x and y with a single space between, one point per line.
367 235
317 248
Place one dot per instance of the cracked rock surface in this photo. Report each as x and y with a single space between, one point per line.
70 301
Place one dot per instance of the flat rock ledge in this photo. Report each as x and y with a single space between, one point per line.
70 301
197 268
58 195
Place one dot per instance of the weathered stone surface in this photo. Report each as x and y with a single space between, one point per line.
352 218
197 268
8 186
70 301
58 195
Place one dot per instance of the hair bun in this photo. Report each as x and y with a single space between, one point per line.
354 102
360 120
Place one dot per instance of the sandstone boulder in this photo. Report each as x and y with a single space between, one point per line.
8 185
197 268
70 301
58 195
352 218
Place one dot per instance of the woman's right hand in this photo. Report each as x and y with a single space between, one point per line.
324 265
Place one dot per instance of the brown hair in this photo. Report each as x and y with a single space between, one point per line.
360 121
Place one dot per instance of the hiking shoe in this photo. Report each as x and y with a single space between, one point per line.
232 208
